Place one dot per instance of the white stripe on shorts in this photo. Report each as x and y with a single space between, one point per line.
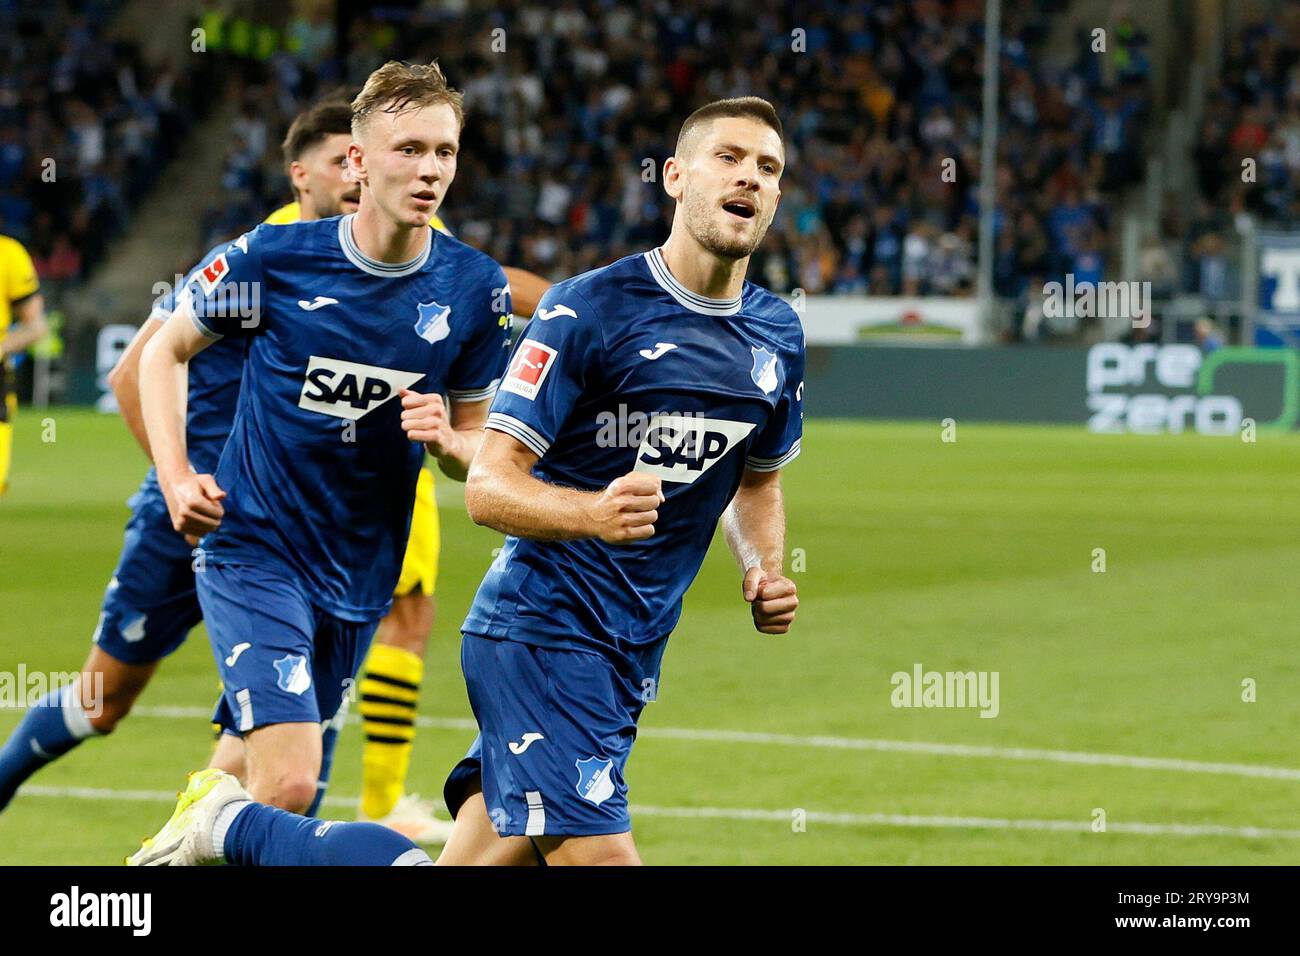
245 700
536 825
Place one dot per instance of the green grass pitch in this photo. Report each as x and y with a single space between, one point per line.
974 555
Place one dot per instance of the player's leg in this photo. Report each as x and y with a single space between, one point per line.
148 609
611 849
229 756
229 753
283 764
215 821
474 840
390 686
556 728
263 634
6 440
390 690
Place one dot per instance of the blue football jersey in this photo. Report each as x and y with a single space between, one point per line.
320 478
624 369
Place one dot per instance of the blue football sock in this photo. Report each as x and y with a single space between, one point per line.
50 728
328 741
267 836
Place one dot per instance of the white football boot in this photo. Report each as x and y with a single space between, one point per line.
186 839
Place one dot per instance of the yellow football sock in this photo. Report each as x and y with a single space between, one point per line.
390 688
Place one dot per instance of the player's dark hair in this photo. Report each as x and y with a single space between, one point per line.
327 118
750 107
397 86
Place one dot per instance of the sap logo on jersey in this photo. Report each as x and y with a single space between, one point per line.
528 369
683 447
349 389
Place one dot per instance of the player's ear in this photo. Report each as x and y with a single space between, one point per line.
297 176
356 163
673 177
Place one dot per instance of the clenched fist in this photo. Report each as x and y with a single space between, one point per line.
424 419
194 503
772 600
627 509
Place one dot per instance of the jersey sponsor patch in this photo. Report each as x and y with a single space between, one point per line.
682 447
212 273
350 389
529 369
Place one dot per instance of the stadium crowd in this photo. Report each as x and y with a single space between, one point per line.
85 127
572 106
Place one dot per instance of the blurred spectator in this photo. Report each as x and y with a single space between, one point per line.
85 127
569 124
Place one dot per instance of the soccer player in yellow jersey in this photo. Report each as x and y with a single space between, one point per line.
22 324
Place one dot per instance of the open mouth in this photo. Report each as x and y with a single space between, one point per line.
741 208
426 197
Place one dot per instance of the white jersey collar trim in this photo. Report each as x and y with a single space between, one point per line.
684 296
386 270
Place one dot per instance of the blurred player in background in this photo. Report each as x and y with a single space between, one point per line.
562 646
22 324
307 517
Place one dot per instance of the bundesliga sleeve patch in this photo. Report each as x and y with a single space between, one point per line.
212 273
529 369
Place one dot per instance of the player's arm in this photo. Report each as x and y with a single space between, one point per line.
124 380
502 493
452 437
754 526
29 325
526 290
194 501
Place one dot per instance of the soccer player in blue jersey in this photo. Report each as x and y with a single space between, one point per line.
150 604
645 402
355 327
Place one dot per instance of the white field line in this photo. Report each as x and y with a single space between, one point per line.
866 743
779 816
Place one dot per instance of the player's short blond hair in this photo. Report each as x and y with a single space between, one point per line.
396 87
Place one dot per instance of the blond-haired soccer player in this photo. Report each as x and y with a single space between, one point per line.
394 669
355 328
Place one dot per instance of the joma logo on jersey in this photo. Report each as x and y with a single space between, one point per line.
349 389
683 447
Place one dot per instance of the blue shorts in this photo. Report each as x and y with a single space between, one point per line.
281 659
150 605
555 731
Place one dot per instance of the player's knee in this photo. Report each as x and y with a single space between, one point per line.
110 708
590 852
613 856
292 790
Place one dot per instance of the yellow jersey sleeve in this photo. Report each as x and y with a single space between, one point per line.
284 215
17 273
